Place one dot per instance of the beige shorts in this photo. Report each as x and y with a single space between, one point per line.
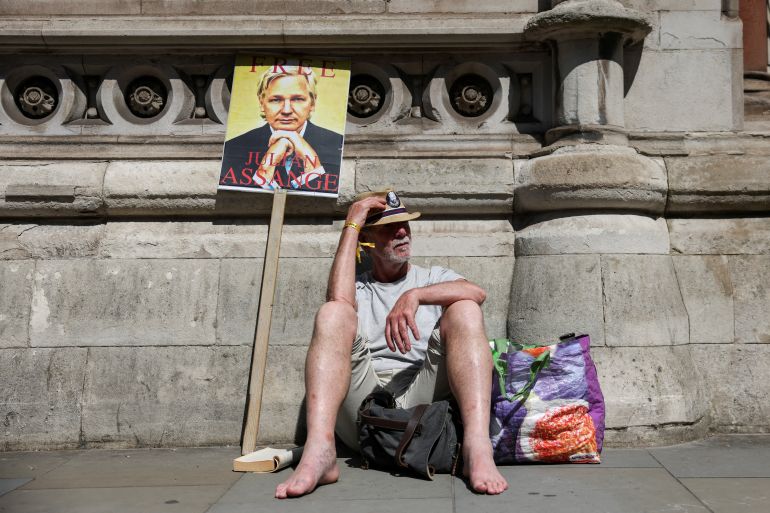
411 387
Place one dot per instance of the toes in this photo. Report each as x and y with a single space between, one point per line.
280 491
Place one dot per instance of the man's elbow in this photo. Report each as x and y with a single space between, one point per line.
478 294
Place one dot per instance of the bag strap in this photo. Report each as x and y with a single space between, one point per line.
411 428
499 347
396 425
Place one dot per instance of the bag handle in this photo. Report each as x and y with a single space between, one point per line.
500 346
411 428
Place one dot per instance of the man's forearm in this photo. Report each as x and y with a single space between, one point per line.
449 292
342 278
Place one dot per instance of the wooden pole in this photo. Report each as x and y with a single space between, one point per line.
264 318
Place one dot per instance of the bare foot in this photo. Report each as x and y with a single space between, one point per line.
480 468
318 466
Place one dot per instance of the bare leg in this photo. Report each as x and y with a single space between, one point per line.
469 369
327 377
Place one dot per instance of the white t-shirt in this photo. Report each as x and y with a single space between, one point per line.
376 299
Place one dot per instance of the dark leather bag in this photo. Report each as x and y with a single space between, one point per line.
424 439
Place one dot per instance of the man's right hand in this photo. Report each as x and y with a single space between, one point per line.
360 210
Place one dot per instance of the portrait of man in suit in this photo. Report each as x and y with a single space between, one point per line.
288 151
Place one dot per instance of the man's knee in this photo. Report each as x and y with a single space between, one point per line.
337 316
462 318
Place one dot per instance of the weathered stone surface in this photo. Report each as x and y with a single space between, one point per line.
462 238
461 6
187 7
685 30
674 5
554 295
720 236
15 295
566 19
494 275
123 302
719 183
51 189
240 283
667 91
40 397
164 396
301 290
555 234
647 388
282 418
58 240
481 186
708 297
642 302
736 378
750 276
264 7
590 177
79 8
181 188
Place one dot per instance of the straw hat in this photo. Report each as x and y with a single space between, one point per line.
395 211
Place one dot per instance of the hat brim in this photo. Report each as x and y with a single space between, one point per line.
395 218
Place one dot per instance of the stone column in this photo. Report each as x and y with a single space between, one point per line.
588 37
592 249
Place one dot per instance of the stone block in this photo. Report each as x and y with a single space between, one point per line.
79 8
736 378
707 293
283 417
667 91
750 276
710 183
674 5
300 291
555 234
686 30
642 302
188 7
181 188
41 398
494 275
123 302
240 283
590 177
51 189
480 186
164 396
462 238
15 297
720 236
555 295
650 387
76 240
462 6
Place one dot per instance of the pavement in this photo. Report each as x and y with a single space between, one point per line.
724 474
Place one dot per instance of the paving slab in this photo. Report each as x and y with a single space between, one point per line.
143 467
31 464
624 458
354 484
7 485
718 457
338 506
564 488
161 499
732 495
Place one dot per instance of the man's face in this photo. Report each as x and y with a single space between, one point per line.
392 242
287 103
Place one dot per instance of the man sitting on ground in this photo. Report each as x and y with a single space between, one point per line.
417 332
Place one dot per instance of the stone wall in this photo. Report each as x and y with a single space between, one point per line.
623 199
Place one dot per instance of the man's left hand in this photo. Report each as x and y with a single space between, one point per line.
400 320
